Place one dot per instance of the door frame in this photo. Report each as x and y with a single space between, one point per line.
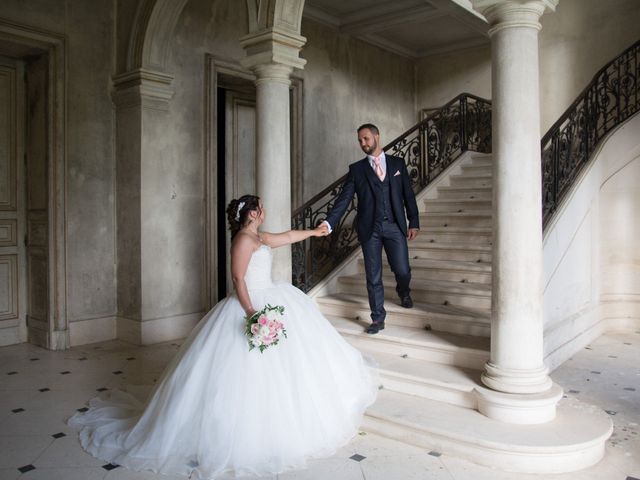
215 66
31 41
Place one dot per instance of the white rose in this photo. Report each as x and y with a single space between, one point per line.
264 331
256 342
272 315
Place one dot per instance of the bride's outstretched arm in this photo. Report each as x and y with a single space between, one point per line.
241 251
275 240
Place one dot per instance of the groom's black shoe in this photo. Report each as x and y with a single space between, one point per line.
375 327
406 301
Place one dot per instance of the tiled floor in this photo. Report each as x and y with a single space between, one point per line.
40 389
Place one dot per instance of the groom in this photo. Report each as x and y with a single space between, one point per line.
382 185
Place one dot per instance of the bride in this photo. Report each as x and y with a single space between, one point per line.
221 408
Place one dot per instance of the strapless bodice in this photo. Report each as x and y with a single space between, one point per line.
259 270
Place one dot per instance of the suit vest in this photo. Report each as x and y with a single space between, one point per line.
382 189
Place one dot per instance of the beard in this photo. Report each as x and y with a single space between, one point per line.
368 149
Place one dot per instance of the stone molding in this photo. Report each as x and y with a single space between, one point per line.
503 14
273 48
142 87
515 381
152 34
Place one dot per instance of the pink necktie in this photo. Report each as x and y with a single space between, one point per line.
378 168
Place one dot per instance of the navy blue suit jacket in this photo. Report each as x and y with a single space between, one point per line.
361 181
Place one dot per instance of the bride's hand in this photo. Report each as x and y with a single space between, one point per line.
321 230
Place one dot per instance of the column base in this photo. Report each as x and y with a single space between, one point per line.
516 381
521 409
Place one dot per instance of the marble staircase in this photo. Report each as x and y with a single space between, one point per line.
430 358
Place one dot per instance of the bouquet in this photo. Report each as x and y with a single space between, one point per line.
265 328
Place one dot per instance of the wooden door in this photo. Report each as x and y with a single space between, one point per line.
37 204
12 252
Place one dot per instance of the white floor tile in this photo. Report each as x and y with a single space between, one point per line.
121 473
416 467
18 451
65 474
329 468
66 452
9 473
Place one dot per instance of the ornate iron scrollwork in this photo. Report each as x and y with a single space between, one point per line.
428 149
611 98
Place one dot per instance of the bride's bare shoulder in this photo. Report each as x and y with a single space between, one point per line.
244 243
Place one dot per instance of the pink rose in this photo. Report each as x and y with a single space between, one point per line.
255 328
262 320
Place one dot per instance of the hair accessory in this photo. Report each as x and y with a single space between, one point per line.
240 205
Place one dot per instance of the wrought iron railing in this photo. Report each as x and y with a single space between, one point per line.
612 97
428 149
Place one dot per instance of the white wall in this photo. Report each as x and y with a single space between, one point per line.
575 42
578 39
442 77
89 153
591 254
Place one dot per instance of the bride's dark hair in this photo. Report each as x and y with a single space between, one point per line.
238 210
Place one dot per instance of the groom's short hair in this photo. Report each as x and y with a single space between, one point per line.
369 126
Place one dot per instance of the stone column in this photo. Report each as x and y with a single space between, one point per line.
516 363
272 56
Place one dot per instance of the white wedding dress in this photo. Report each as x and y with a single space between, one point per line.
220 408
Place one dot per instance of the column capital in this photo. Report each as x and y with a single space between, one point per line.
274 49
503 14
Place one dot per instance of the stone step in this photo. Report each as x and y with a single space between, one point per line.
477 169
452 205
455 234
439 292
465 252
472 218
437 347
471 180
481 159
435 381
574 439
480 193
441 318
424 268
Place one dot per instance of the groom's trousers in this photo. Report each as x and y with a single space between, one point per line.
386 235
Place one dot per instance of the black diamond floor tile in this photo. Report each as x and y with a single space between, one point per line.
59 435
26 468
66 372
82 410
117 372
110 466
433 453
17 410
357 457
101 389
43 389
12 373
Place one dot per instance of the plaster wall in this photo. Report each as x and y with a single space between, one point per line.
90 203
348 83
576 40
345 83
443 77
591 259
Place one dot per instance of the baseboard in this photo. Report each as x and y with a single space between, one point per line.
566 337
157 330
92 330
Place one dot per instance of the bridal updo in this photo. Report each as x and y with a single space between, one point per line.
238 211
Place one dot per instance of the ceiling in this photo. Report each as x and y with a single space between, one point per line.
412 28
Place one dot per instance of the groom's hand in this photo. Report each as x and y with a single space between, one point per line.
412 233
